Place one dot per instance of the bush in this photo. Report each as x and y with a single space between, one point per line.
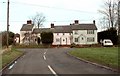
108 34
4 38
47 37
73 45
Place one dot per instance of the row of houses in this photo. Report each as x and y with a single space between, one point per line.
81 34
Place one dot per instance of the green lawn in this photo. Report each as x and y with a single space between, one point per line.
8 56
32 46
107 56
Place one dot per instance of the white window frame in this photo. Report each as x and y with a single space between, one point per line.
90 32
57 33
76 39
57 39
90 39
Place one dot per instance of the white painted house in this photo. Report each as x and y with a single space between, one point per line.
84 33
81 34
26 33
62 35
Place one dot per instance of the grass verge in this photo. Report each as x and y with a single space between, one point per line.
107 56
32 46
9 56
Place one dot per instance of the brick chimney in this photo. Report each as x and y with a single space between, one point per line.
29 22
76 21
52 25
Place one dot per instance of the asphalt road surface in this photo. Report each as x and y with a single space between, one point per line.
52 61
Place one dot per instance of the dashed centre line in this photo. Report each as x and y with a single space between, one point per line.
52 70
49 67
44 53
44 57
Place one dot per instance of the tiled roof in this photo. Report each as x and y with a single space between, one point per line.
27 27
36 30
84 27
69 28
62 29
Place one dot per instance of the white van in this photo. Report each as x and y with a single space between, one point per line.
107 42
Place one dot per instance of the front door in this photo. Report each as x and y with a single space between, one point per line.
82 40
64 41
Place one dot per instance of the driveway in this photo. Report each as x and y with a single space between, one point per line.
53 61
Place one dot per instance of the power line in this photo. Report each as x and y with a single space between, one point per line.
54 21
58 8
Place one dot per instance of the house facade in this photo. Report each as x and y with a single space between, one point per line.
26 33
17 38
81 34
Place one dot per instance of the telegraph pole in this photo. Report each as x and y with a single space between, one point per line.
8 23
119 23
119 18
119 15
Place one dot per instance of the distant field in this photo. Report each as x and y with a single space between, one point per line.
107 56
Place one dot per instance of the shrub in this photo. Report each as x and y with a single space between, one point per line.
4 38
47 37
108 34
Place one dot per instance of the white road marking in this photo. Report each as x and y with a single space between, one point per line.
15 62
44 57
52 70
11 66
44 53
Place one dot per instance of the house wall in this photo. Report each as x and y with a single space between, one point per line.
60 39
17 39
82 37
22 35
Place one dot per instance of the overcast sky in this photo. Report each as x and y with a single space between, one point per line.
59 12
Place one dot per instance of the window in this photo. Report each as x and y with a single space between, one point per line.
82 38
57 40
90 39
76 39
90 31
76 32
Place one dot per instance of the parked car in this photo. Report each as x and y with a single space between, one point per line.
107 42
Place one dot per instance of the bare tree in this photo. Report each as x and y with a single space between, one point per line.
38 19
109 12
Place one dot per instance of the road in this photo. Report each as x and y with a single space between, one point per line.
52 61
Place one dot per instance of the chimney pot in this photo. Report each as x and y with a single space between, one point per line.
76 21
52 25
29 22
